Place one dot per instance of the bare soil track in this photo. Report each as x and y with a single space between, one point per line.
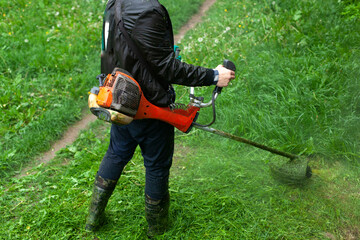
73 131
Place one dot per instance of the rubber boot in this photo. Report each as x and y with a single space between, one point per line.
157 215
103 188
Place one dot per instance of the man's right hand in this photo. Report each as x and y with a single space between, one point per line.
225 76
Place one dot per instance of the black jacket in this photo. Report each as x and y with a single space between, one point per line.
149 26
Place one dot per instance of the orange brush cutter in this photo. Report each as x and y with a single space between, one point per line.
120 100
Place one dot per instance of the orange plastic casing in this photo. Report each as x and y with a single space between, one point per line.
104 98
182 119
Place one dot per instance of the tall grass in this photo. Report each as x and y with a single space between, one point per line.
289 92
298 73
48 62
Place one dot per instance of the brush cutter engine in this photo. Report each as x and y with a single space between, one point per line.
119 100
120 92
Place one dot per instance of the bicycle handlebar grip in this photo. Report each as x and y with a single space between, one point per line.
229 65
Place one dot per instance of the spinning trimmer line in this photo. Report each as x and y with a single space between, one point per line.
119 100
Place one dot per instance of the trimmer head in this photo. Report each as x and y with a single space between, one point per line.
293 172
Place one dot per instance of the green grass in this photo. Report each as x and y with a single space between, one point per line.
297 89
298 66
219 190
48 62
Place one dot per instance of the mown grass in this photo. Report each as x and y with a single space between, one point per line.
48 62
219 190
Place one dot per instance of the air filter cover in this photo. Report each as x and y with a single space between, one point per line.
126 95
120 92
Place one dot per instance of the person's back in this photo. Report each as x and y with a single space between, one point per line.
149 27
147 23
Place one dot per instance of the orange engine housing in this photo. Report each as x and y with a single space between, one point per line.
122 93
105 95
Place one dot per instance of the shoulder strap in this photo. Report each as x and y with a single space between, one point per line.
168 20
138 54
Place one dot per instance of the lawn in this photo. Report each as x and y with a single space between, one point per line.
48 63
297 89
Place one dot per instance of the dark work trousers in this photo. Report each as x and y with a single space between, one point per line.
156 141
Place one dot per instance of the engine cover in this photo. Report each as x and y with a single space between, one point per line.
120 92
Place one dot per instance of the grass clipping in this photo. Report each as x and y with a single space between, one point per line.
294 172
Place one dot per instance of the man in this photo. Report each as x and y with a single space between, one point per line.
146 51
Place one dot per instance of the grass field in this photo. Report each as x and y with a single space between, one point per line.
297 89
48 63
298 65
219 189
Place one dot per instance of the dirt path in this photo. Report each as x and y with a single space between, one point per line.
73 131
194 20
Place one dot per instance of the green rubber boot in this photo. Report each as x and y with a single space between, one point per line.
103 188
157 215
